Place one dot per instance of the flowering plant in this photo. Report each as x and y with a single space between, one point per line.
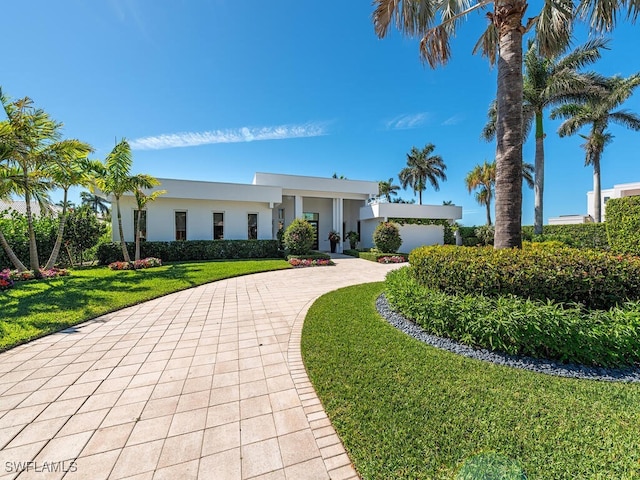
149 262
308 262
6 282
392 259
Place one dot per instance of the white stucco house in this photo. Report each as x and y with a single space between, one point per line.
203 210
618 191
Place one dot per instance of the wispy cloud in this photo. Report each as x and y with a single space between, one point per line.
407 121
455 120
244 134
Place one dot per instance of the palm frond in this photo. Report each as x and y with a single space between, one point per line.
413 18
553 27
434 47
488 43
489 129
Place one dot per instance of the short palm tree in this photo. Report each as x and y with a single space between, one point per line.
114 178
98 204
421 167
435 21
482 178
142 200
550 82
597 113
8 176
387 189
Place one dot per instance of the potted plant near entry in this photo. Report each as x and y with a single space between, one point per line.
334 239
353 238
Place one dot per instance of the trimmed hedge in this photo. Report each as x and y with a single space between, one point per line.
313 255
591 278
386 237
520 326
623 224
582 235
182 251
372 256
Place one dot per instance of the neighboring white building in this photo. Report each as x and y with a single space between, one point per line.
199 210
618 191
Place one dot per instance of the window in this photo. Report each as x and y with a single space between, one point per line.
252 222
280 218
143 224
218 226
181 225
606 199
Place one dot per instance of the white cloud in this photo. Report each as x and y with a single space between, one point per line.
455 120
244 134
407 121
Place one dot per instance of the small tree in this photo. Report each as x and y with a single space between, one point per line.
298 237
386 237
83 231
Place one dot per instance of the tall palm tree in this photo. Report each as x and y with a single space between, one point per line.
98 204
436 21
550 81
142 200
596 113
114 178
483 179
387 188
422 167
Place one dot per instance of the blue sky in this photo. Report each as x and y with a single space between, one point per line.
219 89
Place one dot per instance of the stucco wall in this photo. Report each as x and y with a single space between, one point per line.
161 219
412 236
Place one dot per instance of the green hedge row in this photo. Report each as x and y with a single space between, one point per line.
589 277
520 326
372 256
314 255
623 224
192 250
582 235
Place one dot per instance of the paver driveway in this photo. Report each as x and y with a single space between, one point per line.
206 383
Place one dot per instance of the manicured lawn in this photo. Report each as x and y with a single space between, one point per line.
35 308
407 410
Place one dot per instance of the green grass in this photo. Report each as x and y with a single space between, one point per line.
35 308
407 410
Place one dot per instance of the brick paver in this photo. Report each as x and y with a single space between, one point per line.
207 383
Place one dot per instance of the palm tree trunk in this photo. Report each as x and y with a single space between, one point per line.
34 263
125 253
488 205
597 192
137 257
508 17
11 254
56 247
538 186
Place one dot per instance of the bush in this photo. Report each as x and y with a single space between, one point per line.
149 262
521 326
6 282
623 224
565 275
583 235
485 234
298 237
386 237
182 251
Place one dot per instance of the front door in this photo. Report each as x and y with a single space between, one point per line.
314 224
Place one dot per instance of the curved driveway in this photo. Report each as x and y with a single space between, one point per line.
207 383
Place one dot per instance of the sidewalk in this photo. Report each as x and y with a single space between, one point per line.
207 383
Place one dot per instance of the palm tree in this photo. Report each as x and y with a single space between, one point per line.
386 189
98 204
142 199
70 168
8 184
549 82
483 179
422 167
501 42
114 178
597 112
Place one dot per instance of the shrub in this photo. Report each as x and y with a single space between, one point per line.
298 237
386 237
6 282
137 264
310 262
190 250
592 278
623 224
391 259
485 234
583 235
521 326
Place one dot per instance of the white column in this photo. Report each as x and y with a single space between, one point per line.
297 207
338 216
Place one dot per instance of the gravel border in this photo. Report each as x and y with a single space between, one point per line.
538 365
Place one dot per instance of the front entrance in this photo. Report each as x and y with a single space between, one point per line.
313 219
